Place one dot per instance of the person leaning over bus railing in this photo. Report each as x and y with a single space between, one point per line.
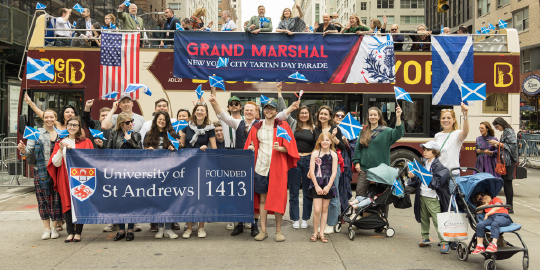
424 36
334 20
126 105
394 29
62 22
130 19
57 169
110 21
38 154
229 24
96 124
95 34
355 26
290 24
196 21
169 24
85 22
326 27
255 25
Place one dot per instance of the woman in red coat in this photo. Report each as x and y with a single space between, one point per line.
58 171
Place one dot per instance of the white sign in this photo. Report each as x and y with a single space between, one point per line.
531 85
14 93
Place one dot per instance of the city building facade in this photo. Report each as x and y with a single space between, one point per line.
231 6
460 13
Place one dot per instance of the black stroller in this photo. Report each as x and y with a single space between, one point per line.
466 188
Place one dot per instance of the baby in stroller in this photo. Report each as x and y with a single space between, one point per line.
361 202
495 217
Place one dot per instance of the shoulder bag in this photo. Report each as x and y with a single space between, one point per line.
500 168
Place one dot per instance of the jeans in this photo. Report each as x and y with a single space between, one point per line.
451 186
334 209
496 221
363 201
122 226
296 177
166 225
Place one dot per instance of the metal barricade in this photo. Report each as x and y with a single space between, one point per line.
523 153
10 165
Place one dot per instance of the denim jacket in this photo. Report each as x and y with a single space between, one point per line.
45 142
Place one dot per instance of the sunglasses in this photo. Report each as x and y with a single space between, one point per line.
393 29
234 103
128 122
447 110
201 103
340 116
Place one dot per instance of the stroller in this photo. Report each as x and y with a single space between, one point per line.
371 216
466 188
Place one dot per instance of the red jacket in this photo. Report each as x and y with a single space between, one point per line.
60 175
281 163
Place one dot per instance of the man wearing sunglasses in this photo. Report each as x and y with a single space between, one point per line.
126 105
394 29
162 105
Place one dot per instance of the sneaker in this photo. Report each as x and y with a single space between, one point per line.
479 249
247 225
46 234
137 227
445 248
160 232
54 234
296 225
491 248
110 227
328 229
154 227
304 224
424 243
170 234
195 226
230 225
187 234
201 233
261 236
280 237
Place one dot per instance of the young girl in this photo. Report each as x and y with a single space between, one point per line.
322 172
495 217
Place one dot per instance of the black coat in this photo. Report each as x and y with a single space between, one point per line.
439 183
116 140
171 26
95 124
81 24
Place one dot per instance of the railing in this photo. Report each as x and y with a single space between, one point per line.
10 165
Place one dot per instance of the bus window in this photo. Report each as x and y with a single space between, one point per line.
51 99
496 103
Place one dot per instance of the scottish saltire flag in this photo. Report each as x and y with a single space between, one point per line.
502 24
111 95
179 125
473 91
39 70
222 62
40 6
199 91
423 173
78 8
485 30
478 32
401 94
351 126
345 132
281 132
218 82
442 29
119 62
264 20
452 65
374 62
31 133
298 76
264 99
127 3
410 165
62 133
491 26
375 32
311 28
397 189
132 88
174 141
179 27
96 134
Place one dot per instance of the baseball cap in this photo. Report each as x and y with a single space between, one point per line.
234 98
431 145
125 95
271 103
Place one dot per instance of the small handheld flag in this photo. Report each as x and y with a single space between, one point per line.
410 165
199 91
298 76
222 62
491 26
300 95
281 132
174 141
311 28
62 133
264 99
112 95
31 133
264 20
127 3
423 173
78 8
179 27
473 91
401 94
352 127
442 29
397 188
375 32
74 24
39 70
134 87
96 134
129 132
477 32
179 125
502 24
40 6
485 30
218 82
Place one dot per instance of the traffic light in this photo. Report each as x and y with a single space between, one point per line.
443 6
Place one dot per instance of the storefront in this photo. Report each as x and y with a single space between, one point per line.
529 104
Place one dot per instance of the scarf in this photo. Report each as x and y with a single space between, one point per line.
198 131
376 131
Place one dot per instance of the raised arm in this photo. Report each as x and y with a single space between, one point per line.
282 106
107 122
32 105
300 13
465 128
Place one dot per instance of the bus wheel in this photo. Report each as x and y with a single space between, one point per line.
400 157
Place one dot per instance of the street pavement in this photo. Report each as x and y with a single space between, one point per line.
21 246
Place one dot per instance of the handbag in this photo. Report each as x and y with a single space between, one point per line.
500 168
452 225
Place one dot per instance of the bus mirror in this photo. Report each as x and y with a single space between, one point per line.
22 123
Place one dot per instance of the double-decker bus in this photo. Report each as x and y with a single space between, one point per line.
496 61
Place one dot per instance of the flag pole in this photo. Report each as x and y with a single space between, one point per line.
213 89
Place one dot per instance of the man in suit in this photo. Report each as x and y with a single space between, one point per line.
255 26
85 22
131 20
170 24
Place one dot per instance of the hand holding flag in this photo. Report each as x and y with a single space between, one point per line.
281 132
31 133
78 8
174 141
179 27
179 125
96 134
112 95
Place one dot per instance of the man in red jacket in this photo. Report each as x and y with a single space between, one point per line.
274 156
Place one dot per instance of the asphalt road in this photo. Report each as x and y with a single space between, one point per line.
21 246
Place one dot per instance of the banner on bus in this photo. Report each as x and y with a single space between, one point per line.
160 186
275 57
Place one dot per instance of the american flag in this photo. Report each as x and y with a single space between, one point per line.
119 63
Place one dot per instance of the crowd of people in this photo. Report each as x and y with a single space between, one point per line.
85 27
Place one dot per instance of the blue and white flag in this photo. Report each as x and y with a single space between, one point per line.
397 189
31 133
62 133
423 173
473 91
298 76
179 125
39 70
375 32
218 82
477 32
127 3
264 99
112 95
491 26
374 62
401 94
281 132
134 87
502 24
222 62
40 6
442 29
410 165
74 24
485 30
96 134
78 8
179 27
264 20
311 28
199 91
352 127
452 65
129 132
174 141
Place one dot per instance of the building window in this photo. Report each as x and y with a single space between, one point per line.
219 26
412 4
521 19
219 18
525 61
317 13
219 9
390 19
219 1
483 7
385 4
411 19
495 103
331 11
174 6
363 6
364 20
501 3
234 6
